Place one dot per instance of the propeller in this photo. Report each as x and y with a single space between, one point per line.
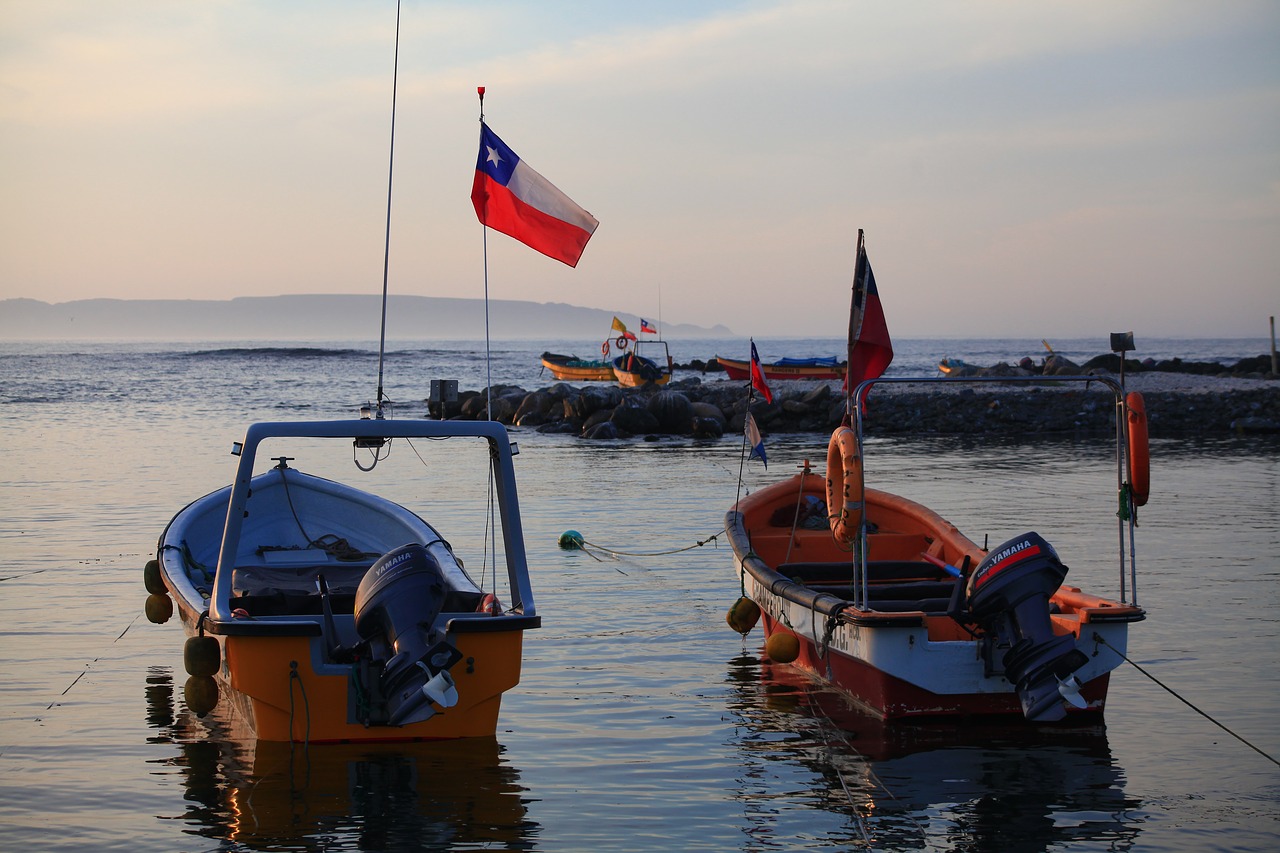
1070 691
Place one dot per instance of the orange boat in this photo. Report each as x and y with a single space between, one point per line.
324 613
891 603
787 369
634 370
570 368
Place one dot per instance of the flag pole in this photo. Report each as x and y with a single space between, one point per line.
857 310
484 243
386 249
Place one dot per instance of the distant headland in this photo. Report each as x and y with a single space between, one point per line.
313 317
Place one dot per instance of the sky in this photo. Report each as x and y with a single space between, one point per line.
1046 169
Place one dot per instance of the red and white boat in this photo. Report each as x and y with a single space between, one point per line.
821 369
882 597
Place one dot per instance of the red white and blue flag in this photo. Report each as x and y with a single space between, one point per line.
870 349
756 442
511 197
647 328
757 376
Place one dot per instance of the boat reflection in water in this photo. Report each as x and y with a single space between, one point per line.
367 796
938 784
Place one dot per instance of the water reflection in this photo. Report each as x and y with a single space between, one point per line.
409 796
951 786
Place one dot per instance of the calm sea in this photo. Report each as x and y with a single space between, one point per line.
642 723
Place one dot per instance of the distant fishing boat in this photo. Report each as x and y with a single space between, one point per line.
885 599
787 369
955 367
570 368
634 369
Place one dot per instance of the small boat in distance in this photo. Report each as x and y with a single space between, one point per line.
634 369
787 369
570 368
955 367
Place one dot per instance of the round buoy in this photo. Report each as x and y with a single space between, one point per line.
782 647
151 578
571 540
743 615
201 693
159 608
201 656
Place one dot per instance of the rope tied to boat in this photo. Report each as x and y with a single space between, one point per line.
580 543
1098 638
306 705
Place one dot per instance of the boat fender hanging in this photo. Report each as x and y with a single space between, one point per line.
743 615
152 579
158 608
782 647
202 656
1139 448
844 484
200 693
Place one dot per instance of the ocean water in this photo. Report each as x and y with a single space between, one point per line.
641 722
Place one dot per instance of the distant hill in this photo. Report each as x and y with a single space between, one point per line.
311 317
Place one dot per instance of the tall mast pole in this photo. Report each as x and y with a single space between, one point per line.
857 308
386 249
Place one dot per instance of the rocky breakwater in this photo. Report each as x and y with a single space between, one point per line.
1177 405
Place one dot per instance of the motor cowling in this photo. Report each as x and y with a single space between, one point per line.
396 606
1008 598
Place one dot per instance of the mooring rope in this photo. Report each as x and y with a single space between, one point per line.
712 538
1099 638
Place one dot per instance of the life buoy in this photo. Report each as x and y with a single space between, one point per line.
844 484
604 349
622 342
1139 448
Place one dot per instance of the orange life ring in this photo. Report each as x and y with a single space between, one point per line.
1139 448
844 484
604 349
622 342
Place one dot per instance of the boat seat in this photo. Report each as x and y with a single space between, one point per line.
930 606
877 571
292 590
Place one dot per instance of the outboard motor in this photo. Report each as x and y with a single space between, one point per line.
396 605
1008 597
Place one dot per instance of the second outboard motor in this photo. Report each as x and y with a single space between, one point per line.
1008 597
396 605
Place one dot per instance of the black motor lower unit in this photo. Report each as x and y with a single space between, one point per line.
1008 598
405 665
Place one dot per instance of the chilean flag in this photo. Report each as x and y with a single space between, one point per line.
757 375
512 198
647 328
870 349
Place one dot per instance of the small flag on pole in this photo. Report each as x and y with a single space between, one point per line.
646 328
621 328
870 348
757 375
512 198
756 441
